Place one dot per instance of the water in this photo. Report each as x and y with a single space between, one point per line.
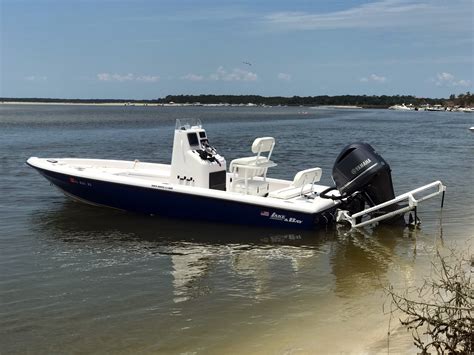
76 278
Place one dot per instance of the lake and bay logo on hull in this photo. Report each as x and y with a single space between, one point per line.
280 217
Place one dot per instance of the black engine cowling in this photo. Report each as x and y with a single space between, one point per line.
359 168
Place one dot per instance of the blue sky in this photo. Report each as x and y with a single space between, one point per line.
148 49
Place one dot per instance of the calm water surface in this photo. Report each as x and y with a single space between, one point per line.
75 278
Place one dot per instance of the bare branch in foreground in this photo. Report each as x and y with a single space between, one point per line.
439 313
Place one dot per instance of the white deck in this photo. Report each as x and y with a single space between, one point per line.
157 176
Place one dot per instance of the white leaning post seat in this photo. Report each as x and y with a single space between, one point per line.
245 169
302 184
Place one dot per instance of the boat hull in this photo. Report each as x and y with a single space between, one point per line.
170 203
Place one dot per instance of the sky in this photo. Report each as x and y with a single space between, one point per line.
141 49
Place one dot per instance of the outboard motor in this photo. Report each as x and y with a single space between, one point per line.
360 172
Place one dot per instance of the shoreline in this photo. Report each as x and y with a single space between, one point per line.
146 104
241 105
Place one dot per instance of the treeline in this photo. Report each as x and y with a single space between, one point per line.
352 100
463 100
367 101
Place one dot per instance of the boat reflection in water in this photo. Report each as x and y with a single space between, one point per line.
202 253
193 248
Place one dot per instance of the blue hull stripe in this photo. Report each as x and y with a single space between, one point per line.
180 205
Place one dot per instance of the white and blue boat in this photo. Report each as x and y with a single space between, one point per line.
197 185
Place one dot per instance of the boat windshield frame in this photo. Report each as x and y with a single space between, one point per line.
187 123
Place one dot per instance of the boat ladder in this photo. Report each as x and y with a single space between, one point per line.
422 193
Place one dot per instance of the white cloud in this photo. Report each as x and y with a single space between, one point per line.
148 78
379 14
103 76
284 76
192 77
36 78
447 79
127 77
373 78
222 74
235 74
114 77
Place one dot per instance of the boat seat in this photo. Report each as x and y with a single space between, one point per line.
251 187
245 169
258 163
302 184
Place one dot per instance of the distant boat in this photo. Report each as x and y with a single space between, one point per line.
435 108
401 107
471 129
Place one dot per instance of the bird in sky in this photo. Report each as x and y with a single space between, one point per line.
249 64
